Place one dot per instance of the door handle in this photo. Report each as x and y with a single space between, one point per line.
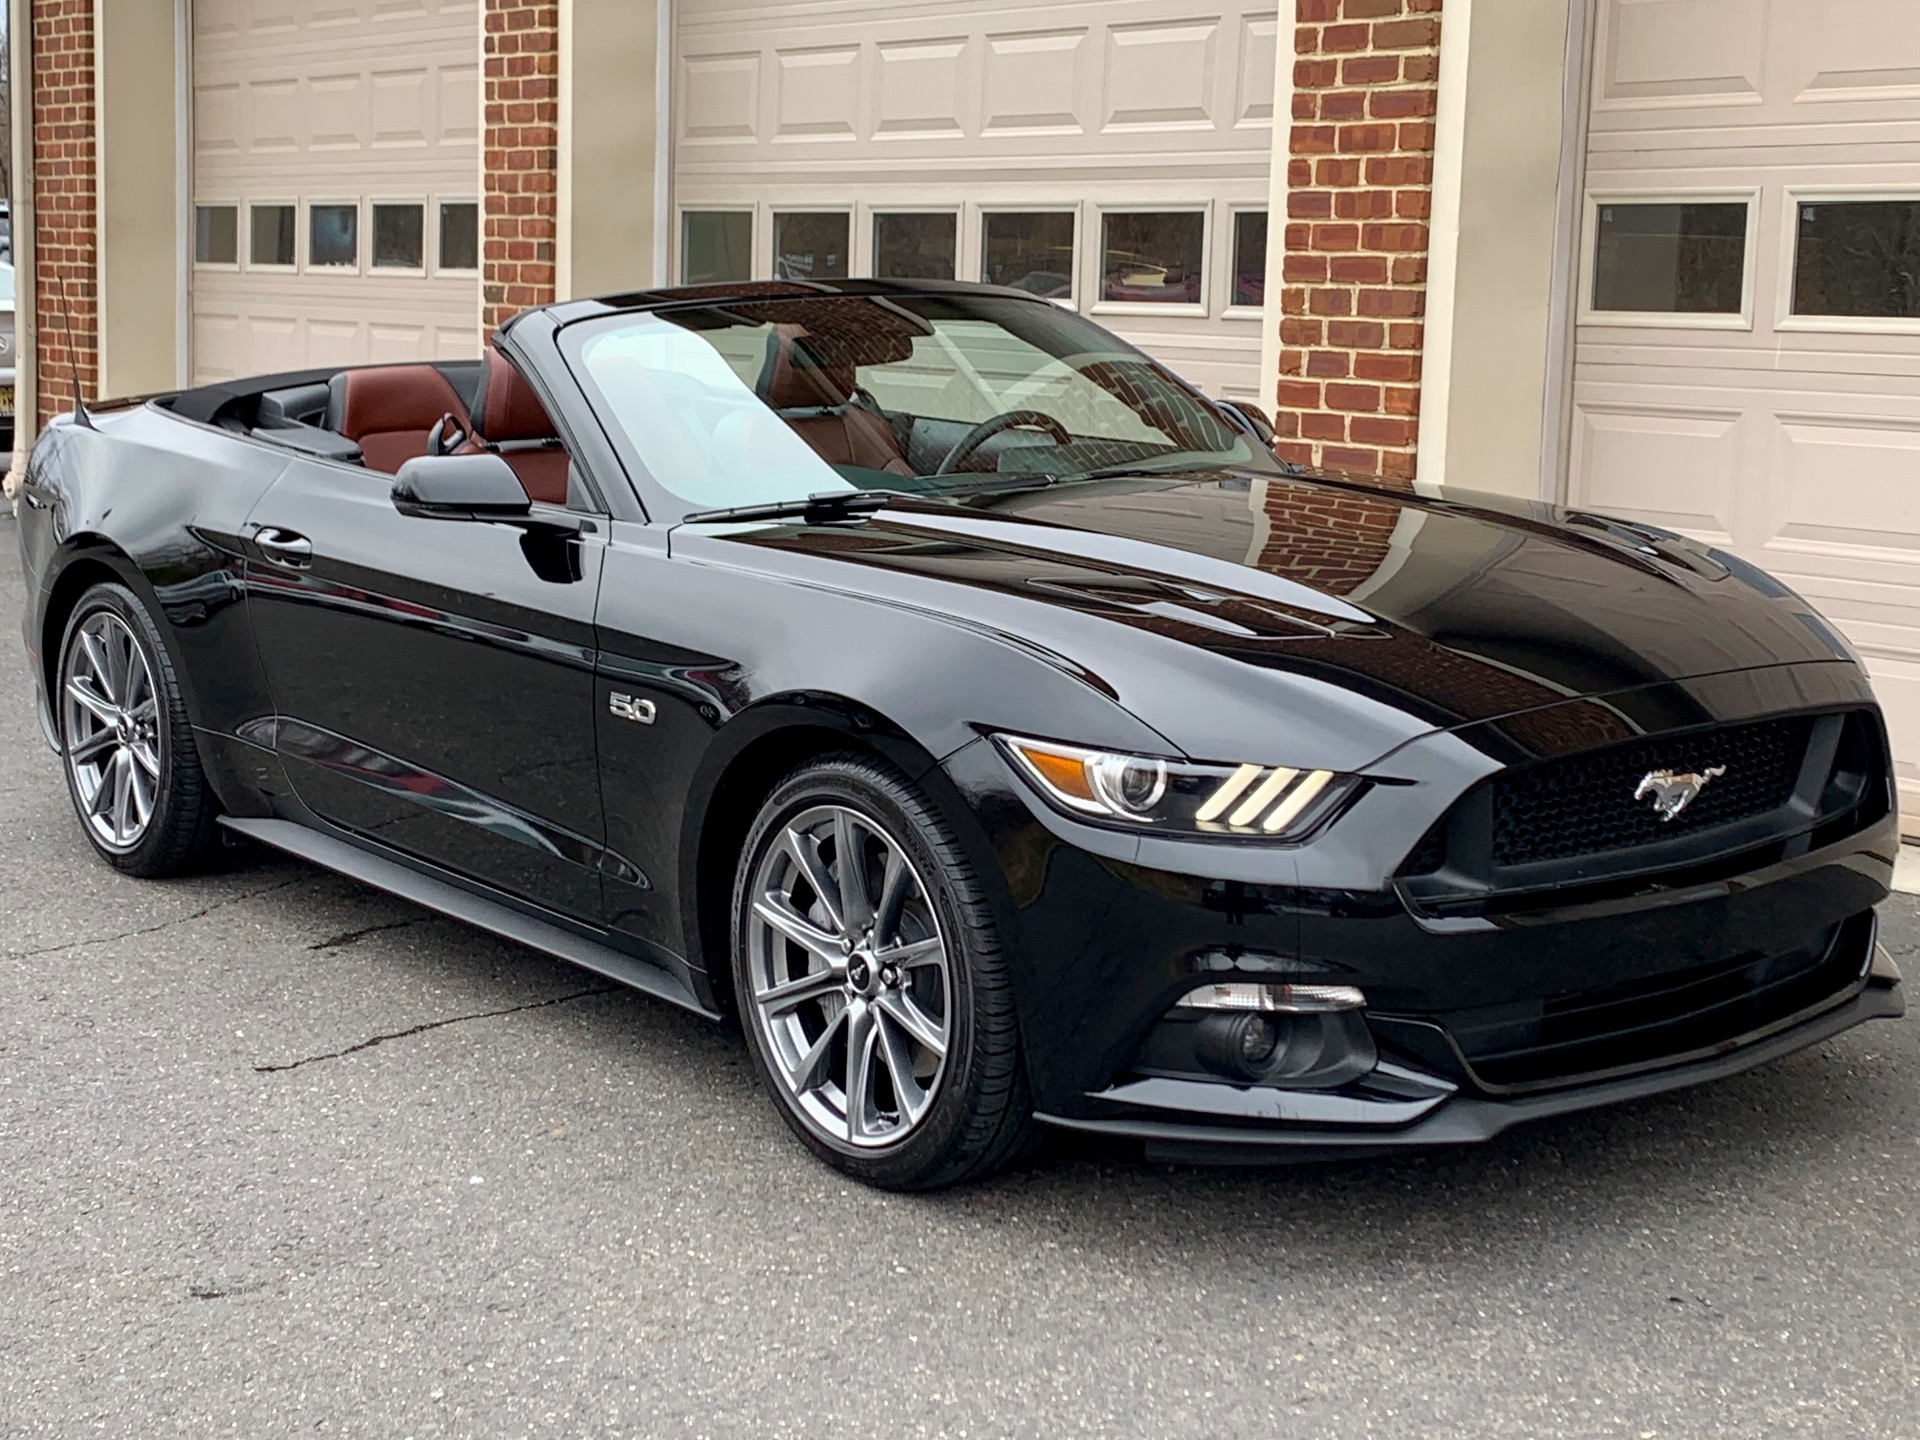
283 547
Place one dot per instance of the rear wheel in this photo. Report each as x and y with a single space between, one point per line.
131 767
872 983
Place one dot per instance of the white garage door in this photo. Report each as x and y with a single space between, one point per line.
1113 154
1748 360
336 183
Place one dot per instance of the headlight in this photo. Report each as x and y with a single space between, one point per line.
1251 802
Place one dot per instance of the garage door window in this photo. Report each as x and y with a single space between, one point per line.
333 236
270 236
1249 259
459 236
916 246
716 246
1029 250
215 238
399 237
811 245
1686 257
1857 259
1152 258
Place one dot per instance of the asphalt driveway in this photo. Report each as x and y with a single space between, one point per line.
281 1155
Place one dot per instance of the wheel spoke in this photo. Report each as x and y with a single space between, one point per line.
803 1075
913 955
123 823
141 790
100 708
850 873
861 1035
89 749
96 657
102 798
900 1008
895 886
898 1059
807 857
139 683
804 933
143 712
149 761
790 994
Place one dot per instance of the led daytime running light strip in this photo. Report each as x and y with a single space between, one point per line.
1287 792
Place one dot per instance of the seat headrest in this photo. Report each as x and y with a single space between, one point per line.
385 399
508 410
794 377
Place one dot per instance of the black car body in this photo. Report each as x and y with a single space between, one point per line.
449 710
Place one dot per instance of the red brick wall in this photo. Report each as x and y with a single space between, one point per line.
519 164
1360 184
65 306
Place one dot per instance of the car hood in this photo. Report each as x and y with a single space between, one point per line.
1316 620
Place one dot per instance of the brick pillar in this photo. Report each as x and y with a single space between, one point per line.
519 156
66 313
1360 187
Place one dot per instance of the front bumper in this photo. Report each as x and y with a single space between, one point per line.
1107 931
1469 1119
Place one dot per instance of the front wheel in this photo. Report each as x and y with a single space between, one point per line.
872 983
131 766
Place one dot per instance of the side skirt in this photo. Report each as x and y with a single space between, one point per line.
476 910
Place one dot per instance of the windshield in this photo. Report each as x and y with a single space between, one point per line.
765 400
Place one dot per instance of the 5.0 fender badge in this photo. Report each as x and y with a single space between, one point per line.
628 708
1672 793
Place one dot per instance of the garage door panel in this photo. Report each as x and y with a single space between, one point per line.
1628 454
1658 52
1161 76
921 88
1033 84
1831 473
818 93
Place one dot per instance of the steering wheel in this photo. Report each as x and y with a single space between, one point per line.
998 424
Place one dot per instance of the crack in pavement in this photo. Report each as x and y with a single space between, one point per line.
199 914
348 937
436 1025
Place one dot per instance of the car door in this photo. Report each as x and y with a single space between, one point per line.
433 678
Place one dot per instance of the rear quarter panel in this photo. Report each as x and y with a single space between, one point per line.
161 503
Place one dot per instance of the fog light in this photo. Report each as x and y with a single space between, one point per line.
1240 1047
1274 999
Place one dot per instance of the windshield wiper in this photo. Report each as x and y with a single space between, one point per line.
823 505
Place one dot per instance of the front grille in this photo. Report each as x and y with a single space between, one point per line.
1584 805
1580 1034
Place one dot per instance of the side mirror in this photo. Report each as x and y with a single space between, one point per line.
460 487
1250 418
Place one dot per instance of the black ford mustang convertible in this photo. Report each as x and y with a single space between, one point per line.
983 716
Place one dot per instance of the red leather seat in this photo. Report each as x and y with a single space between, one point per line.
389 410
513 422
794 382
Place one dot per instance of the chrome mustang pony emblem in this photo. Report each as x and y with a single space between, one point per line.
1672 793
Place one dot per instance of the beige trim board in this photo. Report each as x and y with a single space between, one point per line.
1493 286
136 194
611 118
26 407
1278 188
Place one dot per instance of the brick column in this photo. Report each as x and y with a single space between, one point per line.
519 156
66 307
1360 185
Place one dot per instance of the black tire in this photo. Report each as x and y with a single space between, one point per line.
181 831
981 1115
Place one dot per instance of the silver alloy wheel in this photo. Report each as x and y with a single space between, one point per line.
852 991
110 724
